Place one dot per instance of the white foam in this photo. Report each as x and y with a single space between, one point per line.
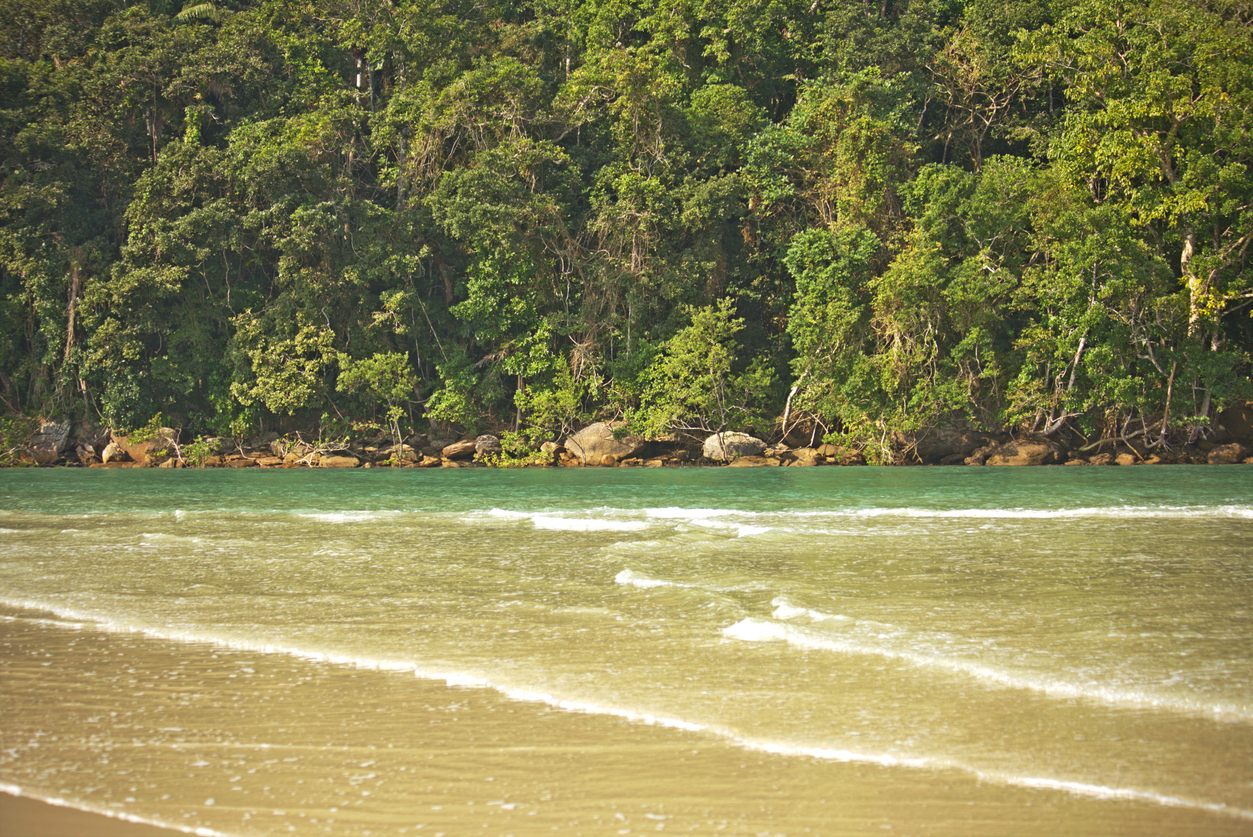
1100 512
783 609
346 516
748 628
680 513
586 524
753 629
634 579
1106 792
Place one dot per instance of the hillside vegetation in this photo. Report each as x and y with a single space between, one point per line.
866 218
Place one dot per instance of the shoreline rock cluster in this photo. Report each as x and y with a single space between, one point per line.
608 445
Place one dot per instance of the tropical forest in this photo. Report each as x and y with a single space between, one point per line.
863 218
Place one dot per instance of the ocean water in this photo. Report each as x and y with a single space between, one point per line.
587 651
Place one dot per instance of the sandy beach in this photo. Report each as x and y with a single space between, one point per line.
21 816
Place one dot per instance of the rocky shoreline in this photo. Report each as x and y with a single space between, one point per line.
606 445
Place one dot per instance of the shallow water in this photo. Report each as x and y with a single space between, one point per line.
817 651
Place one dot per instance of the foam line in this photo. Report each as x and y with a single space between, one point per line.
753 629
732 737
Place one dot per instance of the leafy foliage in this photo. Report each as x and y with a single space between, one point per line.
531 215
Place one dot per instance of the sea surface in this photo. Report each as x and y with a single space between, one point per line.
589 651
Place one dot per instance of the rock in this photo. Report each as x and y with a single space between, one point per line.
152 450
339 461
750 462
113 452
937 444
49 442
1229 454
722 447
459 450
1238 420
1024 452
1102 459
596 441
270 462
263 441
806 457
487 445
430 462
550 448
1125 459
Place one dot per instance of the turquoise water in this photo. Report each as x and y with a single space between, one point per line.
838 650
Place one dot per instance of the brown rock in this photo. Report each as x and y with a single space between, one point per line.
1229 454
1025 452
937 444
750 462
459 450
1238 421
113 452
806 457
342 461
152 450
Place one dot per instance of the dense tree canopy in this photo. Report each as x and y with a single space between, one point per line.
689 214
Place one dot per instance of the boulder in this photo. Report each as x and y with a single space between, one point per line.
263 441
596 441
487 445
938 444
1238 421
751 462
1229 454
149 450
339 461
723 447
805 458
1025 452
459 450
113 452
49 442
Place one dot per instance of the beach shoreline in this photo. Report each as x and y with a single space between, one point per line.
25 816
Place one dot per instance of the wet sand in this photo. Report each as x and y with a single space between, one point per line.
21 816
